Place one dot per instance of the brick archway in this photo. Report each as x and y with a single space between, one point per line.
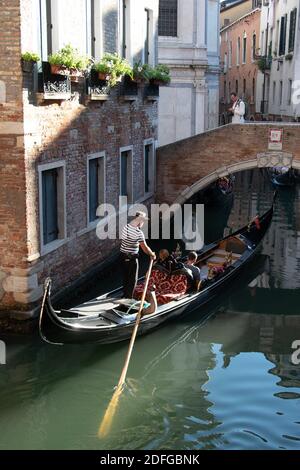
263 160
187 166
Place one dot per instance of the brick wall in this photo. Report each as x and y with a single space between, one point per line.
184 163
34 132
13 234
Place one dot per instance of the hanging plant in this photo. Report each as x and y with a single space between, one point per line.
159 75
28 60
68 61
112 68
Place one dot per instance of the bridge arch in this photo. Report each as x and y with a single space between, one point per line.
262 160
187 166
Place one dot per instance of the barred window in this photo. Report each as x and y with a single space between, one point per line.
167 22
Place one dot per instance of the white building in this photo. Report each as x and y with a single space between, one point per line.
189 45
280 40
128 27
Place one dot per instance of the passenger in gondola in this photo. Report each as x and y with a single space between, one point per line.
166 261
190 264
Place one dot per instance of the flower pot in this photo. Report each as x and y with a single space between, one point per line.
75 75
103 76
59 70
27 66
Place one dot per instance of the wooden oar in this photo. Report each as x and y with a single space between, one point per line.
106 423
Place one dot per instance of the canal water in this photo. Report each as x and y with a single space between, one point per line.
219 378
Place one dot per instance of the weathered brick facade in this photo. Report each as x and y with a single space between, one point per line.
34 132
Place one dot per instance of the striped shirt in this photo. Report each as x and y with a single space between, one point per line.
131 239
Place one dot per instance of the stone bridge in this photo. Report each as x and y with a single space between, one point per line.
187 166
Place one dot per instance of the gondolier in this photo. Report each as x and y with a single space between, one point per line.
132 239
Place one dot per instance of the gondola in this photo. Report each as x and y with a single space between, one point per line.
110 318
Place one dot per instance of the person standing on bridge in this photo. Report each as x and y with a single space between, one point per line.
238 109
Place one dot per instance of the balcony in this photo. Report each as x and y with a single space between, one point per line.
53 87
151 92
128 89
96 89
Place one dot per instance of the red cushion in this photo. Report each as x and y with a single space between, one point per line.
168 286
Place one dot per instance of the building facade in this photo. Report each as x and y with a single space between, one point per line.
232 10
240 74
280 43
65 149
189 45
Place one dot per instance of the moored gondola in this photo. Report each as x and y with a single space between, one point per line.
110 318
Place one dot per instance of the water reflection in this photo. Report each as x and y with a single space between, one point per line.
220 377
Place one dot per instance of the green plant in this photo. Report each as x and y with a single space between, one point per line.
114 66
264 63
160 73
140 71
289 56
30 57
70 58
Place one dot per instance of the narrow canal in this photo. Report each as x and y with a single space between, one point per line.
220 378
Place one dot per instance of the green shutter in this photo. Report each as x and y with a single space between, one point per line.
93 189
50 221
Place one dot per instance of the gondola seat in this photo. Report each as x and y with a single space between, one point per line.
169 287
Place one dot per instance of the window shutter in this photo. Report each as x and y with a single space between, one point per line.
124 156
147 182
292 33
282 42
50 222
93 189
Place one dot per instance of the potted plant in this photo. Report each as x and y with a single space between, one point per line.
103 70
68 61
28 60
140 72
159 75
112 68
289 56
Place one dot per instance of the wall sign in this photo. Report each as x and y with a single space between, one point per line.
275 139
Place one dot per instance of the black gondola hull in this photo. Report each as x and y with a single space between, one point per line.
55 330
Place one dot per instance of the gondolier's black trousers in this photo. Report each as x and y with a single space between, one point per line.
130 269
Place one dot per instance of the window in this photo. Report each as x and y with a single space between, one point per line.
274 92
96 184
244 48
280 92
262 48
290 91
126 173
230 54
238 51
293 21
253 47
92 32
237 87
147 37
277 34
225 91
225 62
45 28
244 87
52 205
282 42
124 28
253 90
167 20
149 167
